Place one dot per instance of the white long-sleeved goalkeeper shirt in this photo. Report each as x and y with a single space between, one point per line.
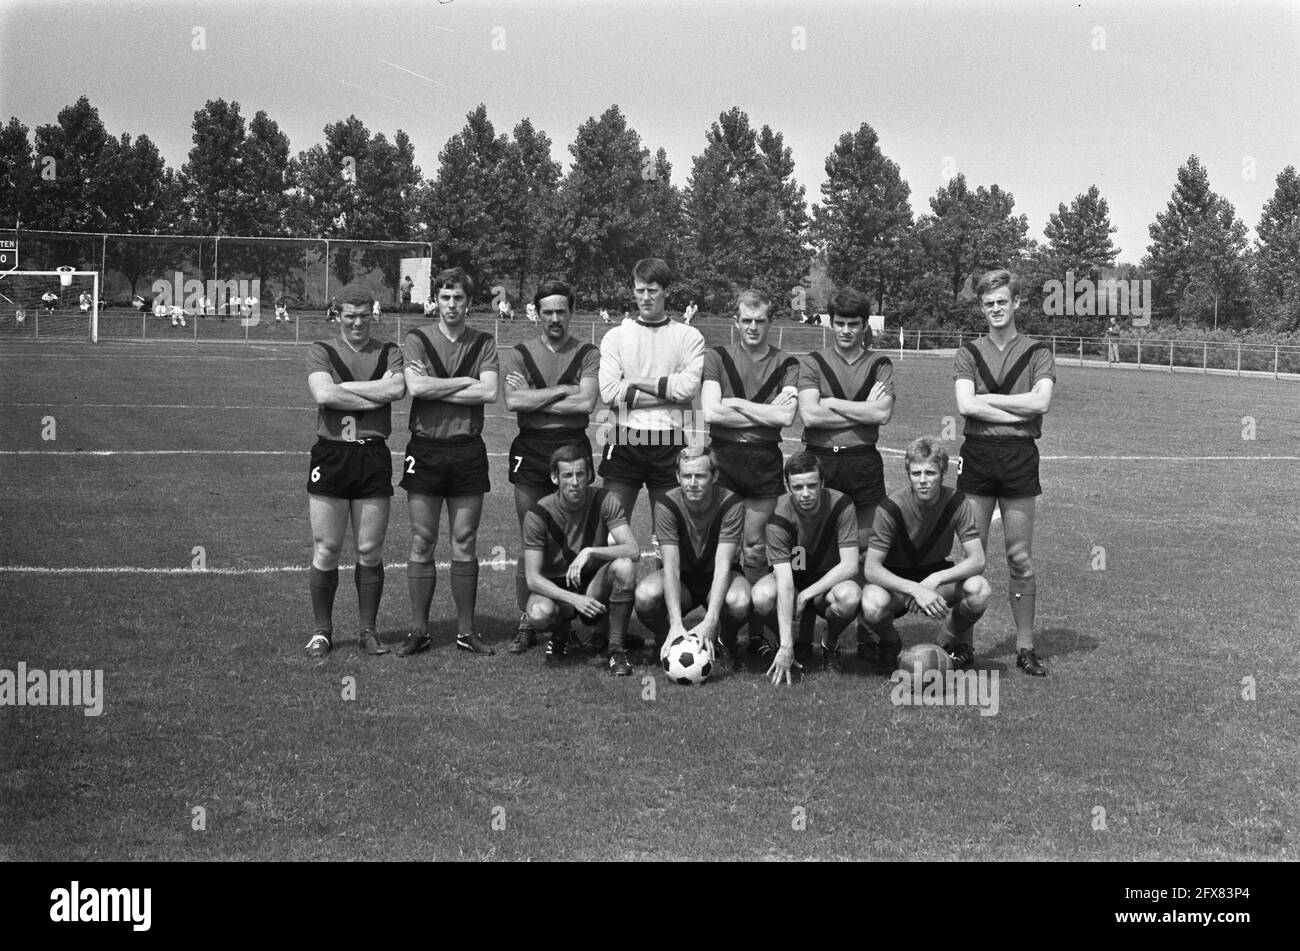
670 352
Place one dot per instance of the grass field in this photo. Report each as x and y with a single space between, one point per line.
209 701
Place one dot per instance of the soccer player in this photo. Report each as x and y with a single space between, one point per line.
354 380
649 375
812 544
570 571
748 394
48 300
699 525
451 373
908 566
552 382
1004 383
846 393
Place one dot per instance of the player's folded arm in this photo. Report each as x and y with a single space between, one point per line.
334 396
817 416
973 406
1035 403
480 392
577 399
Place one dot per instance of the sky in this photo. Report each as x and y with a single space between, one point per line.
1041 98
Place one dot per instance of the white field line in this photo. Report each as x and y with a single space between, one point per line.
497 564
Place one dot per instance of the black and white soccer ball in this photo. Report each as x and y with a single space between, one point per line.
686 660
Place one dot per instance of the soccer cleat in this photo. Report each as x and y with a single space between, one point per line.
831 659
727 658
472 643
963 656
803 651
524 639
557 646
619 665
1028 661
762 647
370 642
320 643
415 642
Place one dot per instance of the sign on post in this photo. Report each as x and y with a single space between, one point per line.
8 254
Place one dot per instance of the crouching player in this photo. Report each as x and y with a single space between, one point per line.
907 565
568 574
812 545
699 526
354 380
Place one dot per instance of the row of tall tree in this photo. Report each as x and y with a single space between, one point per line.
501 207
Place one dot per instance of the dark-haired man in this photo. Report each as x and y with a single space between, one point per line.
552 383
812 545
451 373
354 380
570 570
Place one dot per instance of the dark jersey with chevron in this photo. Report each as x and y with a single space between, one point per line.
811 544
544 368
560 534
697 535
471 354
344 364
1009 372
827 372
911 535
760 381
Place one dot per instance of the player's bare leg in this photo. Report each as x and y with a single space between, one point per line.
969 600
369 528
421 572
329 522
842 605
1018 527
650 607
762 605
464 513
616 585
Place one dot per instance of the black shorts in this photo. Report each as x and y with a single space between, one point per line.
589 573
351 470
1002 468
627 459
858 472
917 574
530 454
445 468
751 470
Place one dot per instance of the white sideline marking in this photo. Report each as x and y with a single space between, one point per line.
395 452
501 564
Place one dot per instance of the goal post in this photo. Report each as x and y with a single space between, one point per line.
62 304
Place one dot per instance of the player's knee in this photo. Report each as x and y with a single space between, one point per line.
763 600
648 597
541 613
845 599
464 542
875 605
737 604
369 550
623 573
1019 564
423 544
976 592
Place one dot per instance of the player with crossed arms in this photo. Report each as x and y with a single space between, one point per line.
571 572
354 380
451 373
552 383
908 566
748 394
699 525
812 544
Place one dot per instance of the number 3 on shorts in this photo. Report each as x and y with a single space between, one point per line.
410 465
315 474
519 461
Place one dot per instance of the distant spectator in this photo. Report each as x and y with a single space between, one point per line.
1112 341
531 312
604 315
48 300
405 289
177 313
281 308
138 302
85 301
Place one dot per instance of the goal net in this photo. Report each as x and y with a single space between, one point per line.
60 304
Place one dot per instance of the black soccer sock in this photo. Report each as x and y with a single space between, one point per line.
620 614
961 625
464 591
369 580
421 582
656 621
730 629
323 585
1023 593
805 624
